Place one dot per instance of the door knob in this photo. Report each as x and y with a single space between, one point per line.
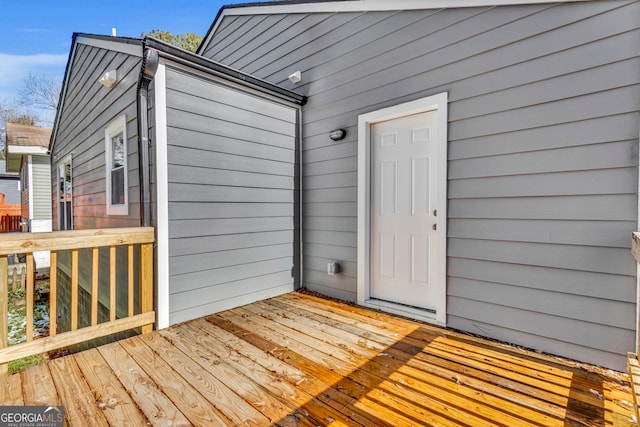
435 227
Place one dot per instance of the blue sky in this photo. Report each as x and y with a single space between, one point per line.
36 34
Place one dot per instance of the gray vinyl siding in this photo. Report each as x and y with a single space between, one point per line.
41 187
88 109
542 158
231 169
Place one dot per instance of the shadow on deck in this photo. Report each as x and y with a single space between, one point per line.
302 360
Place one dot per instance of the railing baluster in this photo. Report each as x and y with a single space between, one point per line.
53 292
146 282
112 283
130 272
95 259
4 306
74 289
30 288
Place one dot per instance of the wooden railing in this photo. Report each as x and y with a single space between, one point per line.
73 241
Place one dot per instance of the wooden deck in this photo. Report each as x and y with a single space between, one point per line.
302 360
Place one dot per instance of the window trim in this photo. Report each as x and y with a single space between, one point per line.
117 126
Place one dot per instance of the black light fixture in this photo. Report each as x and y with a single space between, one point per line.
337 134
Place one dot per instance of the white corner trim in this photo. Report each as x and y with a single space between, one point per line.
162 197
436 102
30 190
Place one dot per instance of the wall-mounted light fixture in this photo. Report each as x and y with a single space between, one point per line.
337 134
295 77
109 78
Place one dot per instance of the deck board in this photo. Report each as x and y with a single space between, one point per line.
302 360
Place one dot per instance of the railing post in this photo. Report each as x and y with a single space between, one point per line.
4 307
146 282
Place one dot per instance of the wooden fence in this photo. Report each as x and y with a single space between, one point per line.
10 223
28 243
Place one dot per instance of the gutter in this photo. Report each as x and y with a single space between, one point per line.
147 72
183 57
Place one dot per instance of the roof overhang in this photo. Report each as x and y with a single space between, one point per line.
334 6
200 63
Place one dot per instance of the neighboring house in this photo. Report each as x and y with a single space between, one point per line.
27 152
487 179
9 184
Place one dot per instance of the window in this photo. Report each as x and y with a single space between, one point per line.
115 137
65 195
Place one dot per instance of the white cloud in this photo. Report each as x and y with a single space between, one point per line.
14 68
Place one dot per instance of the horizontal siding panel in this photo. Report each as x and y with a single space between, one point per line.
337 238
346 194
597 156
211 280
218 227
208 261
331 209
591 335
338 286
331 224
197 245
596 356
590 182
189 88
616 101
336 180
210 193
602 207
211 210
613 234
581 258
571 306
209 109
196 297
597 79
221 144
207 125
181 174
254 294
593 131
348 164
330 152
591 284
238 54
212 160
343 253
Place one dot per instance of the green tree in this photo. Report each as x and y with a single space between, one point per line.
187 41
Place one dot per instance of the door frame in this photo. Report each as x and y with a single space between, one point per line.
437 103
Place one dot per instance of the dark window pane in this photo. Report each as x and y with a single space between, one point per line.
117 186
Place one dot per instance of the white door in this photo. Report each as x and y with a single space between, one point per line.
405 233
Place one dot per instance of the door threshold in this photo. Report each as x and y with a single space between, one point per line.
423 314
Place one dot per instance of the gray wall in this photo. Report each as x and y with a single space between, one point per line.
231 174
543 154
88 109
41 187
